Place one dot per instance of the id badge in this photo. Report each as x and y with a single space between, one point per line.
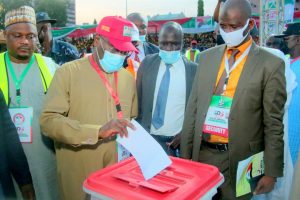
216 121
122 153
22 118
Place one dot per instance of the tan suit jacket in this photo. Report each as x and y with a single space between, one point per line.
255 121
76 106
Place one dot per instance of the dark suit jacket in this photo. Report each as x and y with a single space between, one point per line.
255 120
146 81
12 157
150 48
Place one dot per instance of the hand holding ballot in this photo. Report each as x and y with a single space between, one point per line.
115 126
143 147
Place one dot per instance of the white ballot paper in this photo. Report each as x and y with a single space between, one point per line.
150 156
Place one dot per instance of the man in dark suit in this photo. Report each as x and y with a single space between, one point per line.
145 48
13 159
236 105
164 82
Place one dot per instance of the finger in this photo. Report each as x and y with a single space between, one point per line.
258 189
123 131
127 124
110 131
130 125
175 144
168 143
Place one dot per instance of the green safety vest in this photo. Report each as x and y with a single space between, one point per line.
46 76
188 55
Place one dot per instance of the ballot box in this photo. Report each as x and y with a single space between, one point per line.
183 179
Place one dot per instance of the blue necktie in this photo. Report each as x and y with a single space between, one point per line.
161 100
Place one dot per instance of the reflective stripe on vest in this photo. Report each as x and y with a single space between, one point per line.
46 76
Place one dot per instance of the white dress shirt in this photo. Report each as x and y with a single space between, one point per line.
175 107
141 54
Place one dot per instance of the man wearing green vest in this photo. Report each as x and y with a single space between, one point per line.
193 53
24 80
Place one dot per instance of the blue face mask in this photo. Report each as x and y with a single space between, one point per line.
110 62
169 57
143 38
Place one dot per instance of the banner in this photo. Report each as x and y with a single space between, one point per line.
289 6
199 25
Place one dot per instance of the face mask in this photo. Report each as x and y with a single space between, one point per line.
234 38
110 62
220 40
169 57
143 38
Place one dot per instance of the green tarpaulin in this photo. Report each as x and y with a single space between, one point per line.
65 31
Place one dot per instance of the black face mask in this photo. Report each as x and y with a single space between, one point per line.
220 40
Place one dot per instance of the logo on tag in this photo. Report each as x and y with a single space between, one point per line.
18 119
127 31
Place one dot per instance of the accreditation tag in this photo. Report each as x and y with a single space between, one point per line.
122 152
22 118
216 121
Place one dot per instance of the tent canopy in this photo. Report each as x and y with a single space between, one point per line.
190 25
74 32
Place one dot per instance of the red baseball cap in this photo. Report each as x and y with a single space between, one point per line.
118 31
194 42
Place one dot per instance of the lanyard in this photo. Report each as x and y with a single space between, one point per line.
294 60
19 81
236 63
114 94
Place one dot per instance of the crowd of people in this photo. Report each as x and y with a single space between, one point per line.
221 101
84 45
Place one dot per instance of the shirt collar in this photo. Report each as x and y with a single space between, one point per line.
242 48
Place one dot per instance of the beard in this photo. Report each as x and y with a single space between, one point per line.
20 57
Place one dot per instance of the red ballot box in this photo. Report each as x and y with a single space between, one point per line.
183 179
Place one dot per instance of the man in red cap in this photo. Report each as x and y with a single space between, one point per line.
89 102
193 52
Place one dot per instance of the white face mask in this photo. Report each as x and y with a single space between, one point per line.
234 38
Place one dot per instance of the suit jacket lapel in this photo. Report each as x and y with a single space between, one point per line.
145 46
251 62
208 71
214 68
152 76
188 76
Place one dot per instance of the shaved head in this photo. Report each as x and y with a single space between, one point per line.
136 16
171 37
172 27
241 6
140 22
236 15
